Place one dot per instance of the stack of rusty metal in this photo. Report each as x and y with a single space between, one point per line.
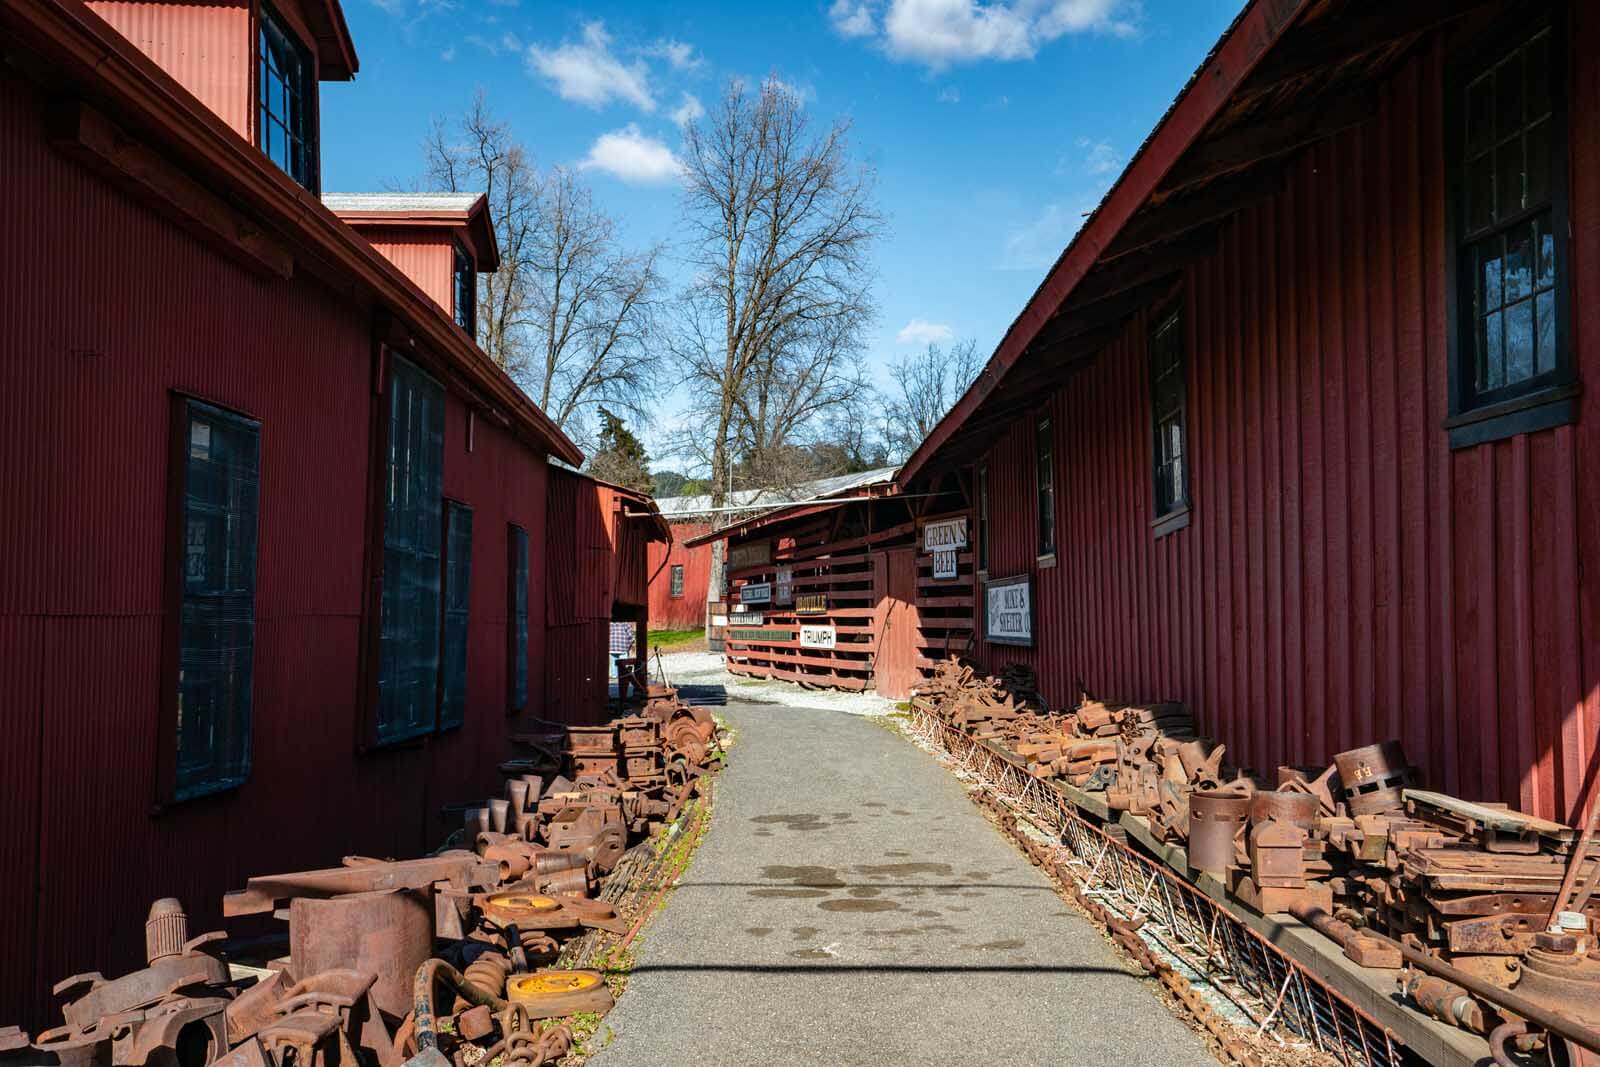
439 961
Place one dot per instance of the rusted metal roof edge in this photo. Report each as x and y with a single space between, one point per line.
1253 33
93 55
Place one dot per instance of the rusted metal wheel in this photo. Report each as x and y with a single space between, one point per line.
553 994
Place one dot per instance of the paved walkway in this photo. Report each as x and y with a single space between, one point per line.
849 905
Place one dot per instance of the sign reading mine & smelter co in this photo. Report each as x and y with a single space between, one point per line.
1008 611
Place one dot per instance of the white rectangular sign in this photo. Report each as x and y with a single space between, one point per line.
817 636
1008 611
785 591
945 534
946 562
719 620
755 593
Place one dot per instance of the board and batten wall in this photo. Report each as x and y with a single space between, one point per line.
1346 577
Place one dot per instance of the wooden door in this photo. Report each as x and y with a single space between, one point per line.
895 669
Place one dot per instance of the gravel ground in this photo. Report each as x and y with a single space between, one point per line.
850 906
702 673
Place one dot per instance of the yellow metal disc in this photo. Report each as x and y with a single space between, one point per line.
521 904
549 983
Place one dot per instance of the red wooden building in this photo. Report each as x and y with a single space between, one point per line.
1294 430
273 580
680 575
601 539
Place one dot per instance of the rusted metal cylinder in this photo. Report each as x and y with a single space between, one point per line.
1300 809
1375 777
389 934
165 930
1215 820
499 812
470 820
517 793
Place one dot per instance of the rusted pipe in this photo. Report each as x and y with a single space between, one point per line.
437 972
1512 1002
1580 853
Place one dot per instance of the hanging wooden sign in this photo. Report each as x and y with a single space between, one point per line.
750 554
784 594
811 604
1008 611
818 636
759 637
755 593
944 534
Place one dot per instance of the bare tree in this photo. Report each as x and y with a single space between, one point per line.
781 223
570 314
927 385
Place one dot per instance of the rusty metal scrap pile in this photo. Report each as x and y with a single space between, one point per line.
1489 917
442 961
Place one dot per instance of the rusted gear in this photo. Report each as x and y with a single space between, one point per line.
549 994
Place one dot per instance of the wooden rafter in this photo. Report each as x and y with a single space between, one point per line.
1270 137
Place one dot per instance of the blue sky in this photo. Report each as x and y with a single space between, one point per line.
993 126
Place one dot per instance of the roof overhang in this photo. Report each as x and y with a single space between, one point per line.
472 226
336 51
77 52
1286 74
885 490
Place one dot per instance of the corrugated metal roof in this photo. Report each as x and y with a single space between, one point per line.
754 499
362 203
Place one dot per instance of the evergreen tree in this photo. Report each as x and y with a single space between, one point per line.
621 458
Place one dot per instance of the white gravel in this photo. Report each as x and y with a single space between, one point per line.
706 668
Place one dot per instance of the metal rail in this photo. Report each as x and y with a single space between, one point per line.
1281 998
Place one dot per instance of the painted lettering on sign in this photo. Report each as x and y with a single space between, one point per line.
946 563
759 637
755 593
817 636
750 554
811 604
784 594
1008 611
944 534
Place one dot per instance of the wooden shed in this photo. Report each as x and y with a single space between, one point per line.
843 592
1294 431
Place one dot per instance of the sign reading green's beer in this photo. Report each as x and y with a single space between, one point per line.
811 604
758 636
943 540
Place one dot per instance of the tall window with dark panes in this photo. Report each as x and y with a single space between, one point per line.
413 525
1169 414
517 619
466 286
1510 225
983 518
216 614
457 599
1044 447
286 106
676 590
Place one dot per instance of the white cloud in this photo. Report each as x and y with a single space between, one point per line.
802 94
939 33
920 332
852 18
586 71
1098 157
449 54
681 56
949 95
633 156
687 111
1038 243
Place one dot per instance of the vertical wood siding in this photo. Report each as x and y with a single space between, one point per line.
1346 578
109 310
687 612
426 256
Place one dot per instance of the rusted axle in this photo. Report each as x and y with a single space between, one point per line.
1540 1016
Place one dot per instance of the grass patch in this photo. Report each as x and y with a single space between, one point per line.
672 638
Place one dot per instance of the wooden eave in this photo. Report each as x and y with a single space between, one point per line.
76 53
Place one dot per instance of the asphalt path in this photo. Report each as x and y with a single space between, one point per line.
849 905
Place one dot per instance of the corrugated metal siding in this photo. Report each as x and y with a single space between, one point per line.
204 46
578 671
426 256
633 550
85 386
1346 578
687 612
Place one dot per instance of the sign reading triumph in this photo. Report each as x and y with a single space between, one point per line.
1008 611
